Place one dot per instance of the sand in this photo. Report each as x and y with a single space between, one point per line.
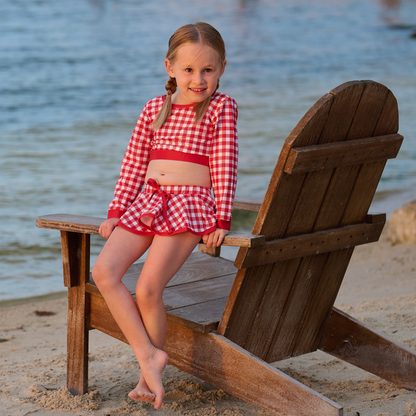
379 289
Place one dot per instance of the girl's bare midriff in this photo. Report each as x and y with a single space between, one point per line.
176 172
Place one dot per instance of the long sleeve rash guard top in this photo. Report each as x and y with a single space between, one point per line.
215 137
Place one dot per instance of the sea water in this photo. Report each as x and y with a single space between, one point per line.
75 75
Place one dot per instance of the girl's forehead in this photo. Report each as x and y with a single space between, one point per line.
192 53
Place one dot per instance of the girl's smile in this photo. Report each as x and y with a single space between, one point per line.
197 69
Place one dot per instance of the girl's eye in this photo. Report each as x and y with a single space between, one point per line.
188 70
208 70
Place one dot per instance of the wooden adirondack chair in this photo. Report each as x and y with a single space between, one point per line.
227 322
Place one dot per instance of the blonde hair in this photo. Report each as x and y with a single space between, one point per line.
192 33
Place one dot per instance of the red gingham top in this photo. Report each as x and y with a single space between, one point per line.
215 137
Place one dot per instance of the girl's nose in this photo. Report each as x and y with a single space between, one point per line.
198 78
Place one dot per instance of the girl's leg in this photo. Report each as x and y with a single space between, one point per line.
121 250
165 258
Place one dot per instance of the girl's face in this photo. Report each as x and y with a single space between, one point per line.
197 69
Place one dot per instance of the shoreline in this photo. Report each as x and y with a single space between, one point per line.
31 299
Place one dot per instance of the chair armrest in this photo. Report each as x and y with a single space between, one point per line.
247 204
72 223
90 225
243 240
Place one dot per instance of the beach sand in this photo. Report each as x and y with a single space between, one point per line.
379 289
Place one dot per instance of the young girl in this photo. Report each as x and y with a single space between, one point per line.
184 143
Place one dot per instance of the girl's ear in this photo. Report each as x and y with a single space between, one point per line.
169 68
223 68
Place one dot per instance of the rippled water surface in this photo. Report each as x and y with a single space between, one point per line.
75 75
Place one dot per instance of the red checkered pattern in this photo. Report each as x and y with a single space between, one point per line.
168 210
215 137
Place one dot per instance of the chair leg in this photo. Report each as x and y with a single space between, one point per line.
220 362
75 257
77 343
356 343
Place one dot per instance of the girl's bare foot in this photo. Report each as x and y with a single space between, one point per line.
152 368
142 392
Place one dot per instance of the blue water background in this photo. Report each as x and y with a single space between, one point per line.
75 75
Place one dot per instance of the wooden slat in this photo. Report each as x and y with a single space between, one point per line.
326 290
91 225
311 158
197 292
356 343
101 319
201 317
296 307
225 365
309 244
238 317
271 308
247 204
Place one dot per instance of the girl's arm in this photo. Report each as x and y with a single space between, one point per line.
223 166
133 168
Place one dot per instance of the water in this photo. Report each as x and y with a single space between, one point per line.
74 77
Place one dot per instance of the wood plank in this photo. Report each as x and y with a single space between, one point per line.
71 257
202 317
371 173
247 204
223 364
354 342
321 304
197 292
76 251
309 244
296 308
101 319
212 251
260 336
238 317
353 152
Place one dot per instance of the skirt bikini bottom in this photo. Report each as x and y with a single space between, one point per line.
171 209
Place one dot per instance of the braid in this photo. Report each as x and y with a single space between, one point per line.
166 109
171 86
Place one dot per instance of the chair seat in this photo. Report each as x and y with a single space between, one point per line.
196 296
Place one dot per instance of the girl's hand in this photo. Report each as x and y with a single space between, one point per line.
215 238
107 227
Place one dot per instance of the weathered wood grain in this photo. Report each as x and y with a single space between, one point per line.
354 342
76 260
326 156
223 364
91 225
309 244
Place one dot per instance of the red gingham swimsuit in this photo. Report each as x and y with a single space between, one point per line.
168 210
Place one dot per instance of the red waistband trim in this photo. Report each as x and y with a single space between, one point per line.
175 155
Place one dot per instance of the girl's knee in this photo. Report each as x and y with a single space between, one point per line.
101 275
147 295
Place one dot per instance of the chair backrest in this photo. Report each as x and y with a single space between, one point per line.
325 179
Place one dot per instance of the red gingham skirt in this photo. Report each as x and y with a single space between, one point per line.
170 209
